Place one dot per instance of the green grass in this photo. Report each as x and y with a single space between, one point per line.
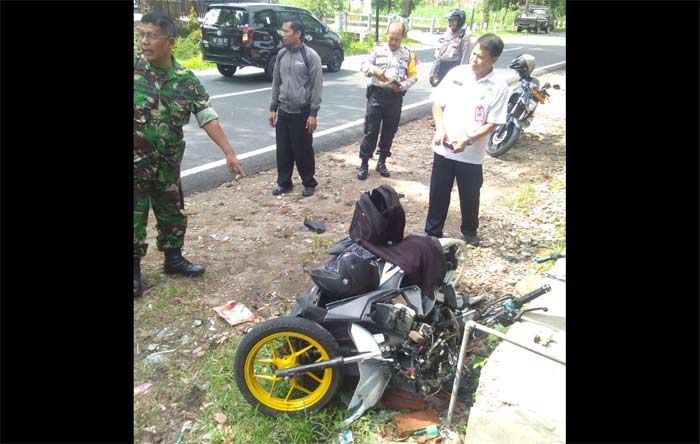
524 199
245 424
554 248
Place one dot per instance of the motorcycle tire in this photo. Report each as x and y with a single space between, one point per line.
282 343
500 143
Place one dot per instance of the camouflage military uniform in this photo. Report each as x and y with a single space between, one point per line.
163 101
383 104
454 50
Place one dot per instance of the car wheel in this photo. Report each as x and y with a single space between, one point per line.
226 70
520 29
270 67
335 61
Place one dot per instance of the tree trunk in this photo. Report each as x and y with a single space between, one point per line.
404 8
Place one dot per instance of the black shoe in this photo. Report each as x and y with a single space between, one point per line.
363 172
137 277
471 239
277 190
176 264
308 191
381 169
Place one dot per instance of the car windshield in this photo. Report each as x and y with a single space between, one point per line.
538 11
225 17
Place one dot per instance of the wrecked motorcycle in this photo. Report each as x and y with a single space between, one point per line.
364 318
522 104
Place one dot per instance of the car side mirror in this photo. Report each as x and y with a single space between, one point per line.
556 86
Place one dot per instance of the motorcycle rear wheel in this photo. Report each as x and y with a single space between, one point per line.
502 139
286 342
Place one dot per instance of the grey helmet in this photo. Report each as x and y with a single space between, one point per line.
458 14
524 64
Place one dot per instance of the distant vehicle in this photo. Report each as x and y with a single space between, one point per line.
535 19
250 34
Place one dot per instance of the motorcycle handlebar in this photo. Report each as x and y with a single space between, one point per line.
519 302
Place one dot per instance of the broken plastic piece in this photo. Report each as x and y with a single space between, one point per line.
143 387
235 313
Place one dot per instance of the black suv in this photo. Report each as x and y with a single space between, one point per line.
535 18
250 34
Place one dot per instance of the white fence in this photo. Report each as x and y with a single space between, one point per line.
365 23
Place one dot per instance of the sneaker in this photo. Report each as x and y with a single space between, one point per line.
308 191
471 239
363 172
277 190
381 169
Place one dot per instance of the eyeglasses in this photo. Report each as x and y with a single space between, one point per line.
151 37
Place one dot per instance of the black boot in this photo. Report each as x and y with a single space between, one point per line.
381 167
176 264
137 277
364 170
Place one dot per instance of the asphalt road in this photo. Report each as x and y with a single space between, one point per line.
243 100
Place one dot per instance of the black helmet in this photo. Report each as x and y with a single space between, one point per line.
524 64
458 14
355 276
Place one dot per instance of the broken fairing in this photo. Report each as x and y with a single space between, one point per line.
374 375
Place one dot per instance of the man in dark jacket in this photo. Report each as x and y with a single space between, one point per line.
296 99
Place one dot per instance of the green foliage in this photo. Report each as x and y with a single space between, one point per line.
322 9
186 28
187 47
353 45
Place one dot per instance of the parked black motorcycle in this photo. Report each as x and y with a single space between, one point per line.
522 104
364 316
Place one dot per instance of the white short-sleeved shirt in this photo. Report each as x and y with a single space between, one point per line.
467 105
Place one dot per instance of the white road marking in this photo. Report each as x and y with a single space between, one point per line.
512 49
219 96
335 129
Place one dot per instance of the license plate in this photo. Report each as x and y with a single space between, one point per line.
219 41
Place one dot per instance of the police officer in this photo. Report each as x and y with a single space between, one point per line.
165 94
454 47
392 68
467 106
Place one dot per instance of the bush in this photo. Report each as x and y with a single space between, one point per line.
185 29
187 47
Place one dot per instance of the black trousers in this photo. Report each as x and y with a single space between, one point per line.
294 146
469 180
383 109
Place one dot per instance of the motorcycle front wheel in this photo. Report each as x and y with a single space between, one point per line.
286 342
502 139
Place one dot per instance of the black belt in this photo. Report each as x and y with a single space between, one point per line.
386 91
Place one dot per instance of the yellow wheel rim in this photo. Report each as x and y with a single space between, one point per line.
284 350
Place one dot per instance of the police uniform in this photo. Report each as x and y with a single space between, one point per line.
163 101
467 104
383 104
454 50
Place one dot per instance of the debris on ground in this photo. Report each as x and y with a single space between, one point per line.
409 423
315 225
235 313
396 398
143 387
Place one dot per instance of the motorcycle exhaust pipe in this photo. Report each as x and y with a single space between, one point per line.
335 362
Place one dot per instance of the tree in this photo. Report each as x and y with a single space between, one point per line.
323 8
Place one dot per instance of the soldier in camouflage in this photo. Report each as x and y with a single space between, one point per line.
392 68
164 96
454 47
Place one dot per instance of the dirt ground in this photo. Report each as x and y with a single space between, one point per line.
254 245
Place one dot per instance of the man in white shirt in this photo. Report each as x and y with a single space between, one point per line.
467 106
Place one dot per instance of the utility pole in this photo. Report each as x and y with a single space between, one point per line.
376 25
471 25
